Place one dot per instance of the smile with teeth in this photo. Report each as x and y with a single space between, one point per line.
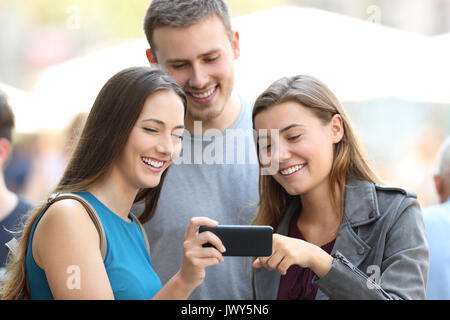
292 169
204 95
153 163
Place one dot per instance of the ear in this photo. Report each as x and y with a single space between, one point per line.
150 57
235 45
439 185
337 128
5 149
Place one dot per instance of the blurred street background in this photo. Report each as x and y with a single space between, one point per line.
388 61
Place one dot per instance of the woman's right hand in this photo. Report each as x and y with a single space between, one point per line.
195 257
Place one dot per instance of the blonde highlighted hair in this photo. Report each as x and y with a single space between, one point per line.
349 158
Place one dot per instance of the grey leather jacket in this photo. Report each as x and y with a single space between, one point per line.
380 252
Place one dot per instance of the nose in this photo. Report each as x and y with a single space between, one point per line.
166 146
282 152
199 77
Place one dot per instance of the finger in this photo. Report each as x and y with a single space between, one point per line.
203 253
275 260
263 262
210 237
196 222
256 264
206 262
283 266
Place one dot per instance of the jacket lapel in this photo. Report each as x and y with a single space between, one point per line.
269 280
360 209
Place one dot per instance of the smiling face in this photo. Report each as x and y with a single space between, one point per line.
201 60
304 150
154 141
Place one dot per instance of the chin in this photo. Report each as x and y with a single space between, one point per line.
295 190
151 183
206 114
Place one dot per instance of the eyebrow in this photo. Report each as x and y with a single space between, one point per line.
293 125
162 123
172 61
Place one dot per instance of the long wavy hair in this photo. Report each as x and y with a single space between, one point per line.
349 159
108 126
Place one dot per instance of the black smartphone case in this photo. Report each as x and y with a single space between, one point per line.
243 241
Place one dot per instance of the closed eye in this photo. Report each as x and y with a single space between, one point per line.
178 66
150 129
211 59
294 137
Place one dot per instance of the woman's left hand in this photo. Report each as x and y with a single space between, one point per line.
288 251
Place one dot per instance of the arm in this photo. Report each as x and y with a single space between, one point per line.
404 267
403 270
195 260
66 245
287 251
339 279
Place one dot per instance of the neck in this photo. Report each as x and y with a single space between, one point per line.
317 207
115 193
223 121
8 199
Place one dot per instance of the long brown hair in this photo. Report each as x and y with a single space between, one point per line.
349 158
110 121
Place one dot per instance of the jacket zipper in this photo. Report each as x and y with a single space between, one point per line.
346 262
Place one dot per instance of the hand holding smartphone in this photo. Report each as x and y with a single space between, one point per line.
243 241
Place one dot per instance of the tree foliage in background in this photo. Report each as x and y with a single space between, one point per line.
110 18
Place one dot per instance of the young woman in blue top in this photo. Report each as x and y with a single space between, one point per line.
130 138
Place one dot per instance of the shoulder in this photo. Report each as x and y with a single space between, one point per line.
65 211
399 206
380 200
66 237
395 198
376 196
244 118
395 191
65 221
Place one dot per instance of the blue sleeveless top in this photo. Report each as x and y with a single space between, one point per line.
127 261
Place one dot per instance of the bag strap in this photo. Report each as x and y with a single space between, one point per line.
11 246
90 210
13 243
144 233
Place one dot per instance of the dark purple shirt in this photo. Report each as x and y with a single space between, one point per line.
297 283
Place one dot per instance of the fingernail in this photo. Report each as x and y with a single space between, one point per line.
223 248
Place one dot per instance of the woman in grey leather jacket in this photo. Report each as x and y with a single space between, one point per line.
340 234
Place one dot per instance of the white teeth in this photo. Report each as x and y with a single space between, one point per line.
292 169
203 95
156 164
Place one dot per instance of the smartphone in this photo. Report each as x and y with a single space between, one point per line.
243 241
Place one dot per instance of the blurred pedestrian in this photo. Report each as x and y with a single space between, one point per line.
437 224
12 206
